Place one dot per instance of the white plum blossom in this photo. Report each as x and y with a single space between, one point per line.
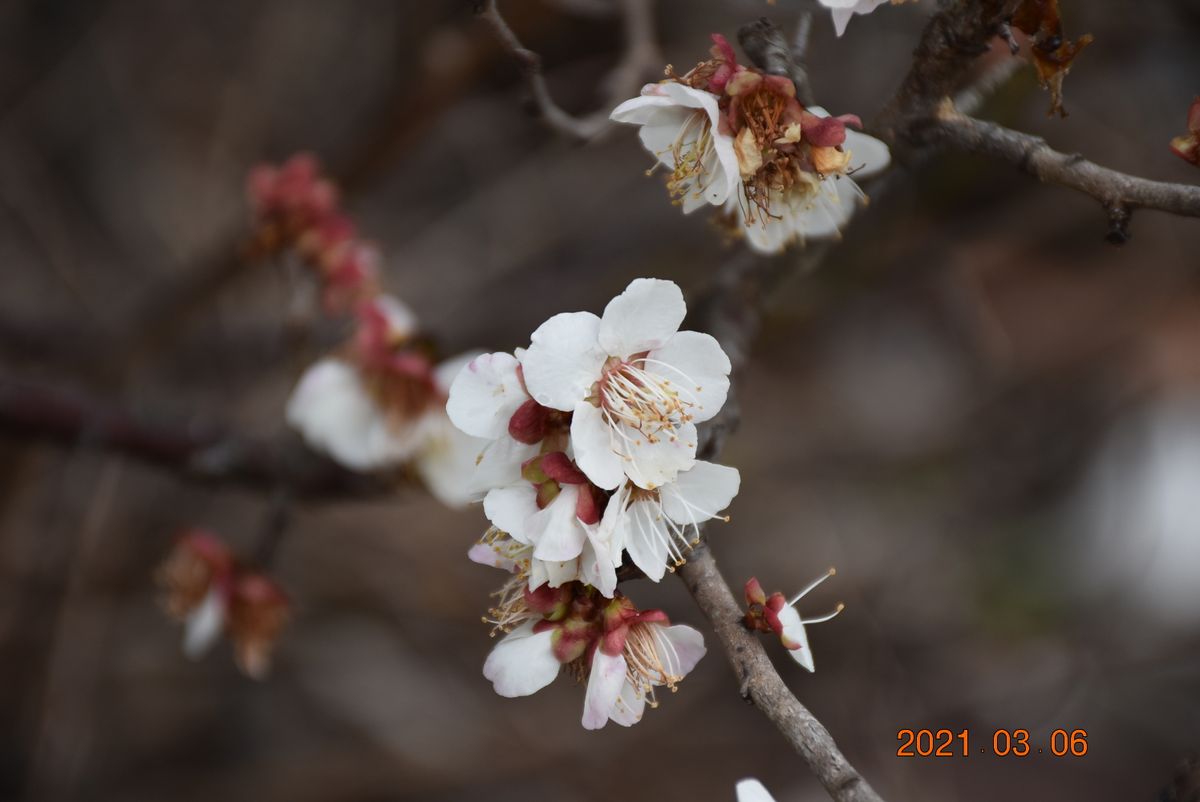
446 458
738 139
843 10
655 655
636 386
653 525
681 126
620 653
777 614
751 790
815 206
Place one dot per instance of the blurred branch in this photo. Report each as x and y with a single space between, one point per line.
1118 192
640 58
203 453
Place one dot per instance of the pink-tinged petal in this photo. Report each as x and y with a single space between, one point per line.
485 394
642 317
563 361
522 663
651 465
592 439
484 554
700 493
604 686
868 155
751 790
512 509
204 625
629 707
646 539
795 638
698 370
687 647
823 131
556 533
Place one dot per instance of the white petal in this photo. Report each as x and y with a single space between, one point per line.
498 463
334 413
485 394
652 465
629 707
686 647
868 155
641 110
563 360
592 438
751 790
556 533
642 317
204 625
522 663
646 538
596 565
721 182
511 509
698 370
793 631
446 462
554 574
700 493
604 686
841 18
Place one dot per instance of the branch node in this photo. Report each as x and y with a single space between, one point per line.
1119 216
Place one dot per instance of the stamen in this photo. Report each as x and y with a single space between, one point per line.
813 585
510 610
822 619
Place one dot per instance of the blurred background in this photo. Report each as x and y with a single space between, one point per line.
986 417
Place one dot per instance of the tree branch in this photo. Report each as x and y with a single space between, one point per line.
954 37
763 686
198 452
1118 192
641 58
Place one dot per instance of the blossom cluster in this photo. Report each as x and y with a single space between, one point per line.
297 209
737 139
590 456
212 593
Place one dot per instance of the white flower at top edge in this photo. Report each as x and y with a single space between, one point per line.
814 209
843 10
680 126
636 385
657 526
751 790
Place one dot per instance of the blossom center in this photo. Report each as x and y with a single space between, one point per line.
629 393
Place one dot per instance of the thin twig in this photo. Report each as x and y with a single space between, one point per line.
1118 192
640 58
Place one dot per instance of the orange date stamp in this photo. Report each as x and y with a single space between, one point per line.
999 742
